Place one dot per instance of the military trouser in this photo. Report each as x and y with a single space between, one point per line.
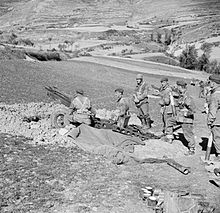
78 118
165 115
144 116
187 131
216 138
122 121
201 92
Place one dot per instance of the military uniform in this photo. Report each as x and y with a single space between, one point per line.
214 117
81 109
185 117
207 96
142 104
166 109
201 89
123 112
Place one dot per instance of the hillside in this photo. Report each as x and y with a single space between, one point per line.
38 20
67 12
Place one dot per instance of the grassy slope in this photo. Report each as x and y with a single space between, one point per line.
25 80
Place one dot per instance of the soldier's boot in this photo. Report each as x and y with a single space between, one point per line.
191 151
146 125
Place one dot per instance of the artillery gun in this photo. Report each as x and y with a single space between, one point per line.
58 118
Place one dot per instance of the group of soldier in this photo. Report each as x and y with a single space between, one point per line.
176 104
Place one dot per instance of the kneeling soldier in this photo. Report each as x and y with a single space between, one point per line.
81 109
123 114
185 117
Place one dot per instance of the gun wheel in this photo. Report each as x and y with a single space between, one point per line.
58 119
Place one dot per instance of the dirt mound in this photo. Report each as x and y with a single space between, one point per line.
159 149
14 121
7 53
32 120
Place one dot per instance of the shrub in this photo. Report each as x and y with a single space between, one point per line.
167 38
25 42
203 62
159 37
188 58
206 47
214 67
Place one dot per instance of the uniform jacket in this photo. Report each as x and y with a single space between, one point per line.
165 98
123 107
185 108
214 108
81 105
141 91
207 94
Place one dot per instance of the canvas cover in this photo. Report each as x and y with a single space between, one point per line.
117 147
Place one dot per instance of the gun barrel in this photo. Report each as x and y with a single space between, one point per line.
184 170
55 94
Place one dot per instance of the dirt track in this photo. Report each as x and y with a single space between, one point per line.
60 179
146 67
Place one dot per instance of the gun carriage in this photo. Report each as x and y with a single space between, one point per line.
58 118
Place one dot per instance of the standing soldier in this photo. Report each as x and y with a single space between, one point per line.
123 108
214 112
165 93
201 89
185 117
207 95
140 98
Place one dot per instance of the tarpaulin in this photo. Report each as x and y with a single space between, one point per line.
113 145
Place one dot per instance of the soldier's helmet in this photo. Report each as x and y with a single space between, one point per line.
120 90
139 76
164 79
181 83
80 91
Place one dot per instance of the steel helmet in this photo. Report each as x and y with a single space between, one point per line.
139 76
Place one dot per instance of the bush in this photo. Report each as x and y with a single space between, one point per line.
25 42
213 67
167 38
206 47
188 58
203 62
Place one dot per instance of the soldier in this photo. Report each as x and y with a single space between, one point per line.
201 89
140 98
214 112
185 117
122 108
81 109
166 110
207 95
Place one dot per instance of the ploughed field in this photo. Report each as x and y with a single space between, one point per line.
54 178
